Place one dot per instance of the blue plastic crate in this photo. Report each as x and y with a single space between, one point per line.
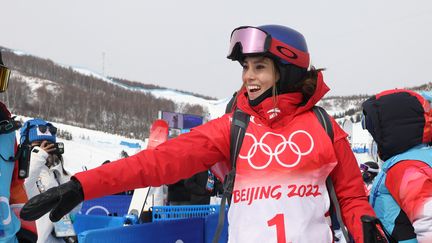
89 222
183 212
186 230
113 204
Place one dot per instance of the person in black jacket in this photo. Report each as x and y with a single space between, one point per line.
178 194
202 187
196 185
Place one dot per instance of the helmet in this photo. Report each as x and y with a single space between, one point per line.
286 46
370 166
291 38
369 170
38 130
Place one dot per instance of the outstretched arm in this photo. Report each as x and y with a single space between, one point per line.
176 159
169 162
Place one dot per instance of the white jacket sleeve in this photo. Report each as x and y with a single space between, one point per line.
38 159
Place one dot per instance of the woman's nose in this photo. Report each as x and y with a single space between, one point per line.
249 75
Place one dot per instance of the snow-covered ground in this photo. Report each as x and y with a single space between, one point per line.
90 148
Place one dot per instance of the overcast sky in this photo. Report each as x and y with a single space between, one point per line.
366 45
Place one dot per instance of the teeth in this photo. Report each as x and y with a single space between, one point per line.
254 88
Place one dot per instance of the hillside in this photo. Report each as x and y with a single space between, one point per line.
75 96
42 88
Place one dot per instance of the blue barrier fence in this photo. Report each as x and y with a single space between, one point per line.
187 230
199 227
360 150
130 145
114 204
183 212
89 222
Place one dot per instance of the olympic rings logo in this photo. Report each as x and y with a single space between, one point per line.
279 149
97 207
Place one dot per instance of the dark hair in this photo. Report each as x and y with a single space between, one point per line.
308 85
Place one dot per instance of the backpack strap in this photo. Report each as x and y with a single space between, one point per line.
324 119
239 123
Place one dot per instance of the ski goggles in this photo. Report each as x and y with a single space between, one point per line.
367 168
254 41
44 128
4 78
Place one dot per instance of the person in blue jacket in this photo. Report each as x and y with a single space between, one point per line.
9 223
400 121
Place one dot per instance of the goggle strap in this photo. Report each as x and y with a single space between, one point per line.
368 168
372 170
289 53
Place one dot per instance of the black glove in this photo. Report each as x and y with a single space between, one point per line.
373 230
59 200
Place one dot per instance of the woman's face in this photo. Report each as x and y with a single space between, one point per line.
259 74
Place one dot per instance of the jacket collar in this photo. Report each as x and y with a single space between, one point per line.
288 105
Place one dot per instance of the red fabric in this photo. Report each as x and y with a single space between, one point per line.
178 158
4 112
410 184
349 186
207 144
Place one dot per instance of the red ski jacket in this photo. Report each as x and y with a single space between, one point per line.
410 184
208 144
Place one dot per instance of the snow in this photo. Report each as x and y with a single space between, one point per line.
90 148
361 139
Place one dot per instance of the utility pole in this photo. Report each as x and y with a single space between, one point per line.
103 63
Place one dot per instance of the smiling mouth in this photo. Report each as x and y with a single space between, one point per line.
253 88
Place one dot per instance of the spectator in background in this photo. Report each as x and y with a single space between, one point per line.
124 154
369 170
12 193
178 194
201 187
400 122
46 170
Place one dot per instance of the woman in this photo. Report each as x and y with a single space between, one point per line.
45 170
279 192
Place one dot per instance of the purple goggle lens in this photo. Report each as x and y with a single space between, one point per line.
252 40
364 167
